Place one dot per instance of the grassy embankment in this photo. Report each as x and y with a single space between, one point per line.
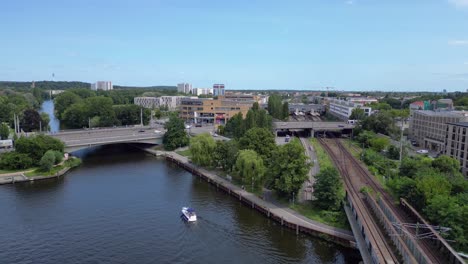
71 163
310 210
354 148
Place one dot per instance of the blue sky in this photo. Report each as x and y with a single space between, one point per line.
394 45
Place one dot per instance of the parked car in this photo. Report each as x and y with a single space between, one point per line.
198 125
422 151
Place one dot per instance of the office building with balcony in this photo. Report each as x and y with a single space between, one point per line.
429 128
456 144
212 111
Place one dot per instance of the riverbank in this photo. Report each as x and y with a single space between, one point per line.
33 175
285 216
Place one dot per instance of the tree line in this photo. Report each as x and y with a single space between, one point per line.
78 108
36 151
435 187
255 160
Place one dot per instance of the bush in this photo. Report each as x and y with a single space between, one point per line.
15 161
73 162
58 156
47 161
35 147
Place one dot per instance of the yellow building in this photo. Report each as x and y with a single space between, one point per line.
212 111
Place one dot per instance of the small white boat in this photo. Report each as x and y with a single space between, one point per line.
189 214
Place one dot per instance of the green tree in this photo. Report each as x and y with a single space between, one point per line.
225 154
102 107
202 148
285 110
31 120
288 168
45 121
379 143
430 185
393 152
15 161
36 146
275 108
446 164
175 135
47 161
4 131
58 156
328 189
447 211
250 169
76 116
357 114
261 140
65 100
365 137
381 122
411 166
234 126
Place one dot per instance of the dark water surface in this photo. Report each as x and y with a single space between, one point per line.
123 206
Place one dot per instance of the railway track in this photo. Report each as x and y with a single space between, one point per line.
398 212
381 250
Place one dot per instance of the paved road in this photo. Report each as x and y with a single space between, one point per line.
307 189
10 177
108 135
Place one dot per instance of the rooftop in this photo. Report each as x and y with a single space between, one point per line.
462 124
443 113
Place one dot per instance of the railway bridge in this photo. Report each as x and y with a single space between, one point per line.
380 227
311 128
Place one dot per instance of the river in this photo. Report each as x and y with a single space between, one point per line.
123 206
48 107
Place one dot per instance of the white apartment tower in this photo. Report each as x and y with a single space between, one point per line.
184 88
102 85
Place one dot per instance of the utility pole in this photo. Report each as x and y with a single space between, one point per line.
14 122
89 122
40 126
401 140
18 124
141 116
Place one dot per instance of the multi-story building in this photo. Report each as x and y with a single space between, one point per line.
429 128
362 100
218 89
202 91
456 144
212 111
147 102
169 102
343 109
102 85
184 88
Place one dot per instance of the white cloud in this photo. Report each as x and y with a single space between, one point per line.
459 3
351 2
466 63
458 42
